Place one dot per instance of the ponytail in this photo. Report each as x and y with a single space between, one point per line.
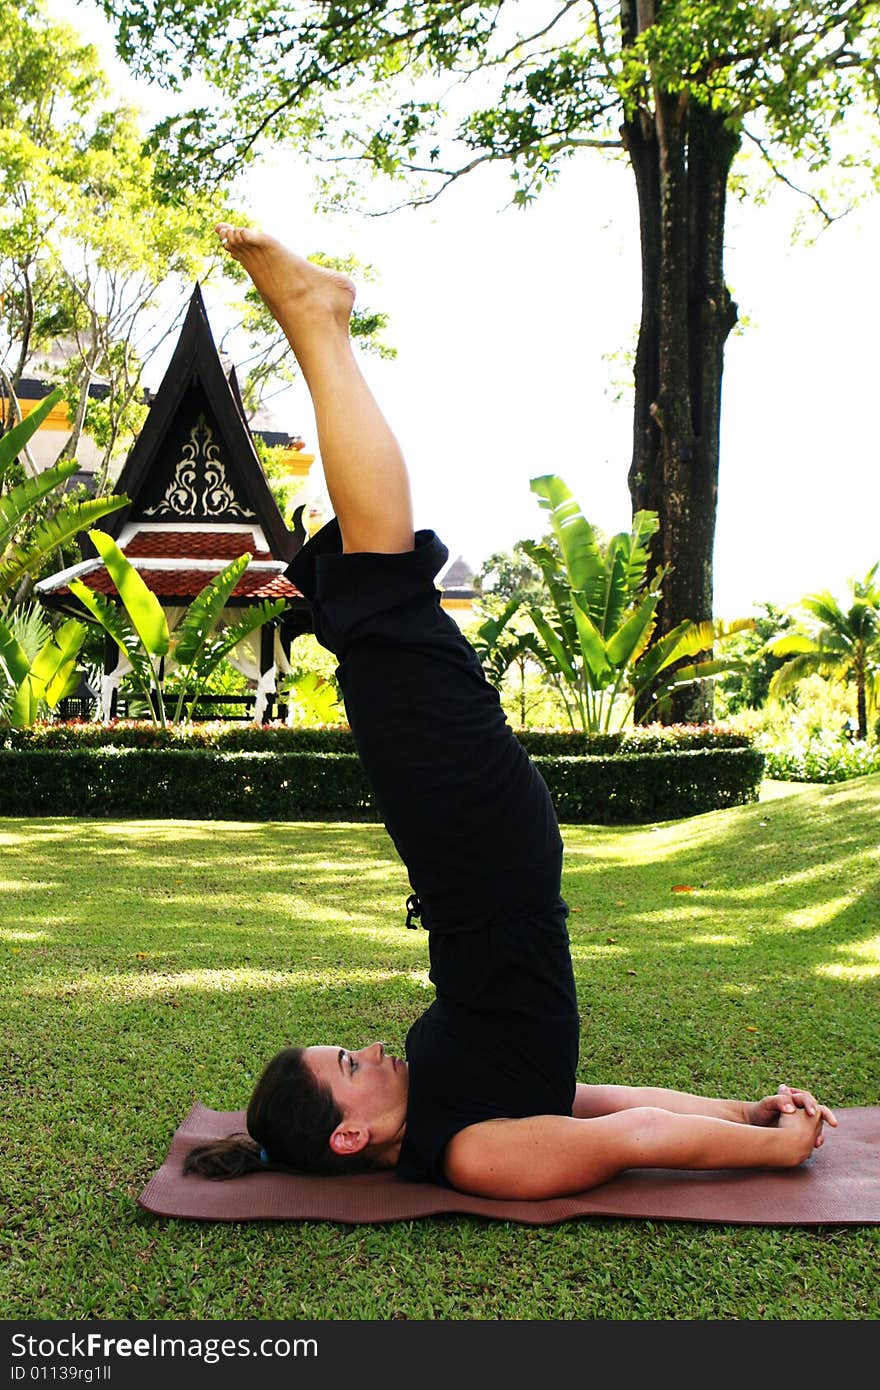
224 1158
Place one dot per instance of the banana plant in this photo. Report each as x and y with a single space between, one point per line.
18 558
47 677
313 696
43 675
217 646
140 628
599 645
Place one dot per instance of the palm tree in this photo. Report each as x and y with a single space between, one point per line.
845 648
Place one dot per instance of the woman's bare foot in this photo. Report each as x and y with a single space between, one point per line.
292 288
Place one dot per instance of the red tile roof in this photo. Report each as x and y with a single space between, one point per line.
186 583
188 543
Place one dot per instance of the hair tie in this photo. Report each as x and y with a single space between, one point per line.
264 1157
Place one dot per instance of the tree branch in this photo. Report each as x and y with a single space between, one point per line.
804 192
450 176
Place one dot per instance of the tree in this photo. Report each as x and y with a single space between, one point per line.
94 251
843 646
89 244
679 86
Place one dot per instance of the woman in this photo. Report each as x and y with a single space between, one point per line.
486 1100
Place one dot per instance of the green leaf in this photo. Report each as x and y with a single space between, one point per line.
788 676
13 656
15 504
592 644
316 696
203 613
686 675
141 605
51 666
213 653
658 655
576 539
12 443
555 648
610 601
66 644
625 643
25 705
118 627
560 592
790 643
644 526
51 535
689 639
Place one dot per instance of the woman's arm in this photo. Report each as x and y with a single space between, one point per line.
553 1155
592 1101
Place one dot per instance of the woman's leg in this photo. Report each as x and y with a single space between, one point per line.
363 465
469 814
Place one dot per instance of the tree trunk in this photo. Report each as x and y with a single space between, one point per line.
862 705
71 444
681 159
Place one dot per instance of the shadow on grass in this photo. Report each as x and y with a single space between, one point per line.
145 965
226 940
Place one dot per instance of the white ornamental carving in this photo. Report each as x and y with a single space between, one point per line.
199 486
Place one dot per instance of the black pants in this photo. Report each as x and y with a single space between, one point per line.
469 814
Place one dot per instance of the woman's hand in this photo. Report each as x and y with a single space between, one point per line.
787 1101
801 1132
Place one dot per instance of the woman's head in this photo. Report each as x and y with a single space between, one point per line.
317 1110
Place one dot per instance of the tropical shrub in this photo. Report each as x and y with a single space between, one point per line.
823 758
32 679
140 628
598 649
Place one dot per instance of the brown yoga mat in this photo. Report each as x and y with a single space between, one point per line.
838 1185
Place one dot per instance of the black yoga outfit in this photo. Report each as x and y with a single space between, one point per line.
473 822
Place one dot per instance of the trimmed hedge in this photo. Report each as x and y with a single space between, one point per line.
211 785
652 786
338 738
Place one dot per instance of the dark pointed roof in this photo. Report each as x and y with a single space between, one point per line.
458 580
194 462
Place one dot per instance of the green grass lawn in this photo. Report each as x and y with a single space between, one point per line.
148 964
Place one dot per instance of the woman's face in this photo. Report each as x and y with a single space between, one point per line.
370 1087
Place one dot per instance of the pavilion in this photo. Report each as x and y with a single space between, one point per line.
198 497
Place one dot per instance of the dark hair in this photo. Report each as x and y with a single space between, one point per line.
291 1116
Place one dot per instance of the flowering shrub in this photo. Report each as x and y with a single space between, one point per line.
216 735
823 758
642 738
337 738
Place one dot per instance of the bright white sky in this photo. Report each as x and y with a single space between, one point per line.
501 319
